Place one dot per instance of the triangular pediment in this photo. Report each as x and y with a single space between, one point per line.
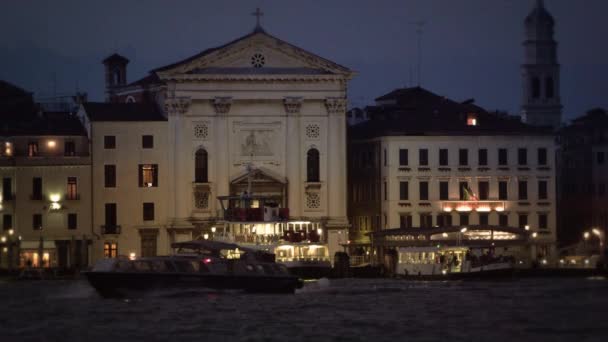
257 53
258 175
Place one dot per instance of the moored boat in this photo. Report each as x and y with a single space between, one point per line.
196 264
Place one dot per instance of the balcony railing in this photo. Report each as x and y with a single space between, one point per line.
110 229
465 206
72 197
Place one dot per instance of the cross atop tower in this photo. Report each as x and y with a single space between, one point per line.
258 14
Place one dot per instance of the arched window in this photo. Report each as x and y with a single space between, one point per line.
535 87
312 165
549 91
201 167
116 76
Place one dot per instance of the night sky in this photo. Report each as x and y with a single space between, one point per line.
471 48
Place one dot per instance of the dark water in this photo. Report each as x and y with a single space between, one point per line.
328 310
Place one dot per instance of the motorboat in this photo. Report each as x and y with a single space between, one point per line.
440 263
195 264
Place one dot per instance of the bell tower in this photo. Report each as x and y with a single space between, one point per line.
541 103
116 74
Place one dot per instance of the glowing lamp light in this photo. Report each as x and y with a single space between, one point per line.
573 261
205 236
444 272
5 249
213 229
500 209
11 232
544 261
131 256
596 231
483 209
55 206
463 230
319 231
447 209
51 143
445 235
561 261
464 208
527 227
55 198
534 235
3 239
586 235
586 261
207 260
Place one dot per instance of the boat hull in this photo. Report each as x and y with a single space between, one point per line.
122 284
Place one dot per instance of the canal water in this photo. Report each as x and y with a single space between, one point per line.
326 310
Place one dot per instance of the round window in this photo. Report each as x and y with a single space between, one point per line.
258 60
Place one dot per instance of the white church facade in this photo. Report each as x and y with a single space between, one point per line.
165 147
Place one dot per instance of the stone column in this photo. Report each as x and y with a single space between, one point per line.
336 158
221 154
293 156
175 107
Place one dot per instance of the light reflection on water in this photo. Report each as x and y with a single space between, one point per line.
339 310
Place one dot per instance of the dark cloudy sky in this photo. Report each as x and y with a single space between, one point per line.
471 48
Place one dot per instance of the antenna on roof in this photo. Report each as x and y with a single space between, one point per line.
419 31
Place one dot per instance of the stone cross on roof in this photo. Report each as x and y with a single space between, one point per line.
258 13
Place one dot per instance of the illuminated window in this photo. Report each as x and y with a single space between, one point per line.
8 149
148 175
51 144
72 193
32 149
110 249
472 120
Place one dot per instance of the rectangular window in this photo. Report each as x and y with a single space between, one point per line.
32 149
522 156
464 219
484 190
110 215
7 222
37 221
148 211
426 220
404 191
483 219
405 221
72 221
424 191
385 192
444 192
147 141
503 157
444 158
503 190
503 220
109 176
523 220
403 157
148 175
482 157
110 249
444 220
37 188
542 156
542 221
109 142
542 190
7 189
600 158
423 157
523 190
72 191
69 149
463 157
462 187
